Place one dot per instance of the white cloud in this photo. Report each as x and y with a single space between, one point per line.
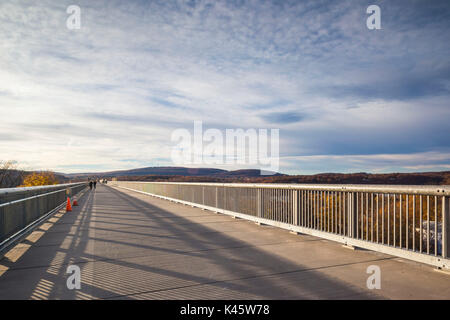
115 89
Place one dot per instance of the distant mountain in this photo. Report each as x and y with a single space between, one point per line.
252 176
249 173
12 178
173 171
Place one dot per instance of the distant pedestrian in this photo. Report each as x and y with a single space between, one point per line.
91 184
95 184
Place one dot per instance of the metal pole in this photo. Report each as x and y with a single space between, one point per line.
352 217
295 206
445 227
258 202
217 197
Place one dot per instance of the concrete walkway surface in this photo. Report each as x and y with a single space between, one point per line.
133 246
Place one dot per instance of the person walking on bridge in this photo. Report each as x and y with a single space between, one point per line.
90 184
95 184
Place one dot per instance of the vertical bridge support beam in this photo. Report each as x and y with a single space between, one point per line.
217 197
295 207
352 218
353 214
259 204
445 227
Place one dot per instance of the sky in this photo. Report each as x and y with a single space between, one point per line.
110 95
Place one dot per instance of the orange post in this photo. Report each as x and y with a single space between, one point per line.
68 206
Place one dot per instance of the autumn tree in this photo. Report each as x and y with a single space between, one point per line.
39 179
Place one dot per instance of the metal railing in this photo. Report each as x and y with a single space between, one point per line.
411 222
22 207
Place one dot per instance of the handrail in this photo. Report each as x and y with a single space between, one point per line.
437 190
35 188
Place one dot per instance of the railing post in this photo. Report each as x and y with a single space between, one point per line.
217 197
445 227
224 198
352 214
259 203
203 195
295 206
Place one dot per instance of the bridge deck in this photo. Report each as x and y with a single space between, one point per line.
130 245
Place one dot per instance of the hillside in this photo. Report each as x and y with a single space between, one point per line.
13 178
420 178
172 171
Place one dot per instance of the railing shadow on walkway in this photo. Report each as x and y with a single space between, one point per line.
196 236
46 279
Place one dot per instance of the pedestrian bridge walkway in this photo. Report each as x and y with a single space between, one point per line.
129 245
